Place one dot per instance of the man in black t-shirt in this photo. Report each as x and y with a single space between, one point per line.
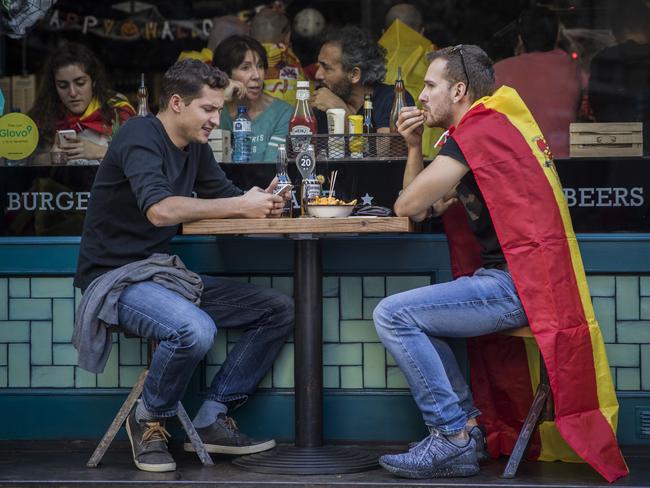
141 193
411 324
352 65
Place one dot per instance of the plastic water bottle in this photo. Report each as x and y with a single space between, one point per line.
241 137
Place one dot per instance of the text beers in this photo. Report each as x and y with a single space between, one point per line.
355 126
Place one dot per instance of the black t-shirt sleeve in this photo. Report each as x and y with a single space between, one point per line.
142 164
451 149
211 181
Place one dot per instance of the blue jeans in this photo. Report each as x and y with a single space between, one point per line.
186 333
410 325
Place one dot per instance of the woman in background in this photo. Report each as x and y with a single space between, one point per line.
244 60
74 94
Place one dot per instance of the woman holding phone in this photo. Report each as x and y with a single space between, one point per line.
75 110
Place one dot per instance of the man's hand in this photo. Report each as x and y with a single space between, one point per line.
235 89
442 205
83 149
324 98
258 204
411 124
286 197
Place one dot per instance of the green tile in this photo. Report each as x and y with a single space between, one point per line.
267 380
4 299
342 354
262 281
330 319
19 287
3 377
605 311
644 286
331 377
84 379
330 286
3 354
390 360
129 351
62 319
52 377
369 305
351 377
217 355
18 365
397 284
210 372
351 304
41 344
65 354
645 308
625 355
358 331
627 298
52 287
613 373
645 367
283 284
628 379
374 366
30 309
77 297
395 378
601 286
443 276
637 331
109 378
14 331
129 375
374 286
283 368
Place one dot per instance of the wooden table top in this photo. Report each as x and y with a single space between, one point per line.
302 225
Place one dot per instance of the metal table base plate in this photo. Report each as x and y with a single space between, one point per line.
308 460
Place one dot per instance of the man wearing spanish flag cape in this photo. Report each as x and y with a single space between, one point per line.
517 263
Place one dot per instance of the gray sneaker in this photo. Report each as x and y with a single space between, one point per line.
434 457
149 445
223 437
478 434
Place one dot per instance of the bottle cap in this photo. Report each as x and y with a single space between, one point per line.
241 109
303 84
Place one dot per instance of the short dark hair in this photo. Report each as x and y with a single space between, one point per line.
479 67
538 27
187 78
358 49
231 52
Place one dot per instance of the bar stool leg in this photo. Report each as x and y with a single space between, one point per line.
188 426
543 391
119 419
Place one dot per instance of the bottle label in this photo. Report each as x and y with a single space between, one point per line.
302 95
300 137
241 126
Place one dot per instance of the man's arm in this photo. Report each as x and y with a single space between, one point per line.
255 203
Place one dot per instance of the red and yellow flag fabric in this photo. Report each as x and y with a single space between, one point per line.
93 119
514 170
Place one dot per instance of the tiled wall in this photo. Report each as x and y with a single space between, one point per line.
36 316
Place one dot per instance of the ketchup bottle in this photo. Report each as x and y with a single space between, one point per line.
303 123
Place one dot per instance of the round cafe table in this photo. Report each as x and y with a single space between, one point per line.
308 455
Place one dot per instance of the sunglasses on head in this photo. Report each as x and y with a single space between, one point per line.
459 49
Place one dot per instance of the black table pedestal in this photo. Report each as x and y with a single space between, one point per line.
309 456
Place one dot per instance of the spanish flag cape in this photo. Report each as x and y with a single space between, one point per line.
93 118
283 73
514 170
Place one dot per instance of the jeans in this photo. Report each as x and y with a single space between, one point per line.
186 333
410 325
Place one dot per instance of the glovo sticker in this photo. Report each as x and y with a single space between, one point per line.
18 136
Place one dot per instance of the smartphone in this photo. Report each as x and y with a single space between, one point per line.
67 135
282 189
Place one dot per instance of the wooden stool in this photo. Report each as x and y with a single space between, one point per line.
541 409
127 406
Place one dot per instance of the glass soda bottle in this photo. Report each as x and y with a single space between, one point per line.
310 188
282 174
241 136
303 123
399 100
143 95
369 143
